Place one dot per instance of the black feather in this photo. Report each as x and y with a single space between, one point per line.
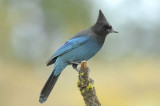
48 88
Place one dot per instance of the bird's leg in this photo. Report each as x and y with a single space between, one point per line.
74 65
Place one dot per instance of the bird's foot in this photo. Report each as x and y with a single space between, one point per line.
75 65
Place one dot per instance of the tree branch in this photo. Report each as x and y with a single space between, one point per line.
86 86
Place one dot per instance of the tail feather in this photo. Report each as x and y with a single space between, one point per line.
48 87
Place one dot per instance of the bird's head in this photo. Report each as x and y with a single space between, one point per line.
102 26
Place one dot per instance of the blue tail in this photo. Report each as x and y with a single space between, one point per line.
58 67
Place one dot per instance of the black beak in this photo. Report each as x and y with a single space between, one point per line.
112 31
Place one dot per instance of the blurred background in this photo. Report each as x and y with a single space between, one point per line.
126 71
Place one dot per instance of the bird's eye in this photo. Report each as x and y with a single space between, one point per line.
105 27
110 27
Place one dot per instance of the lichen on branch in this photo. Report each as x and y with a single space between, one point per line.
86 86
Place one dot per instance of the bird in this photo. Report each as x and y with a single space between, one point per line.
82 46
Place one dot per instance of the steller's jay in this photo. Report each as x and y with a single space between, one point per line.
81 46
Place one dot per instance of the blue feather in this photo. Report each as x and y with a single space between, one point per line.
68 46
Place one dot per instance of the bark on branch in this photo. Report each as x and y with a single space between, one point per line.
86 86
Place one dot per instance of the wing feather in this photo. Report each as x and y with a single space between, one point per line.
68 46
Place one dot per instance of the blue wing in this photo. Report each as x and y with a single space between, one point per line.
68 46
